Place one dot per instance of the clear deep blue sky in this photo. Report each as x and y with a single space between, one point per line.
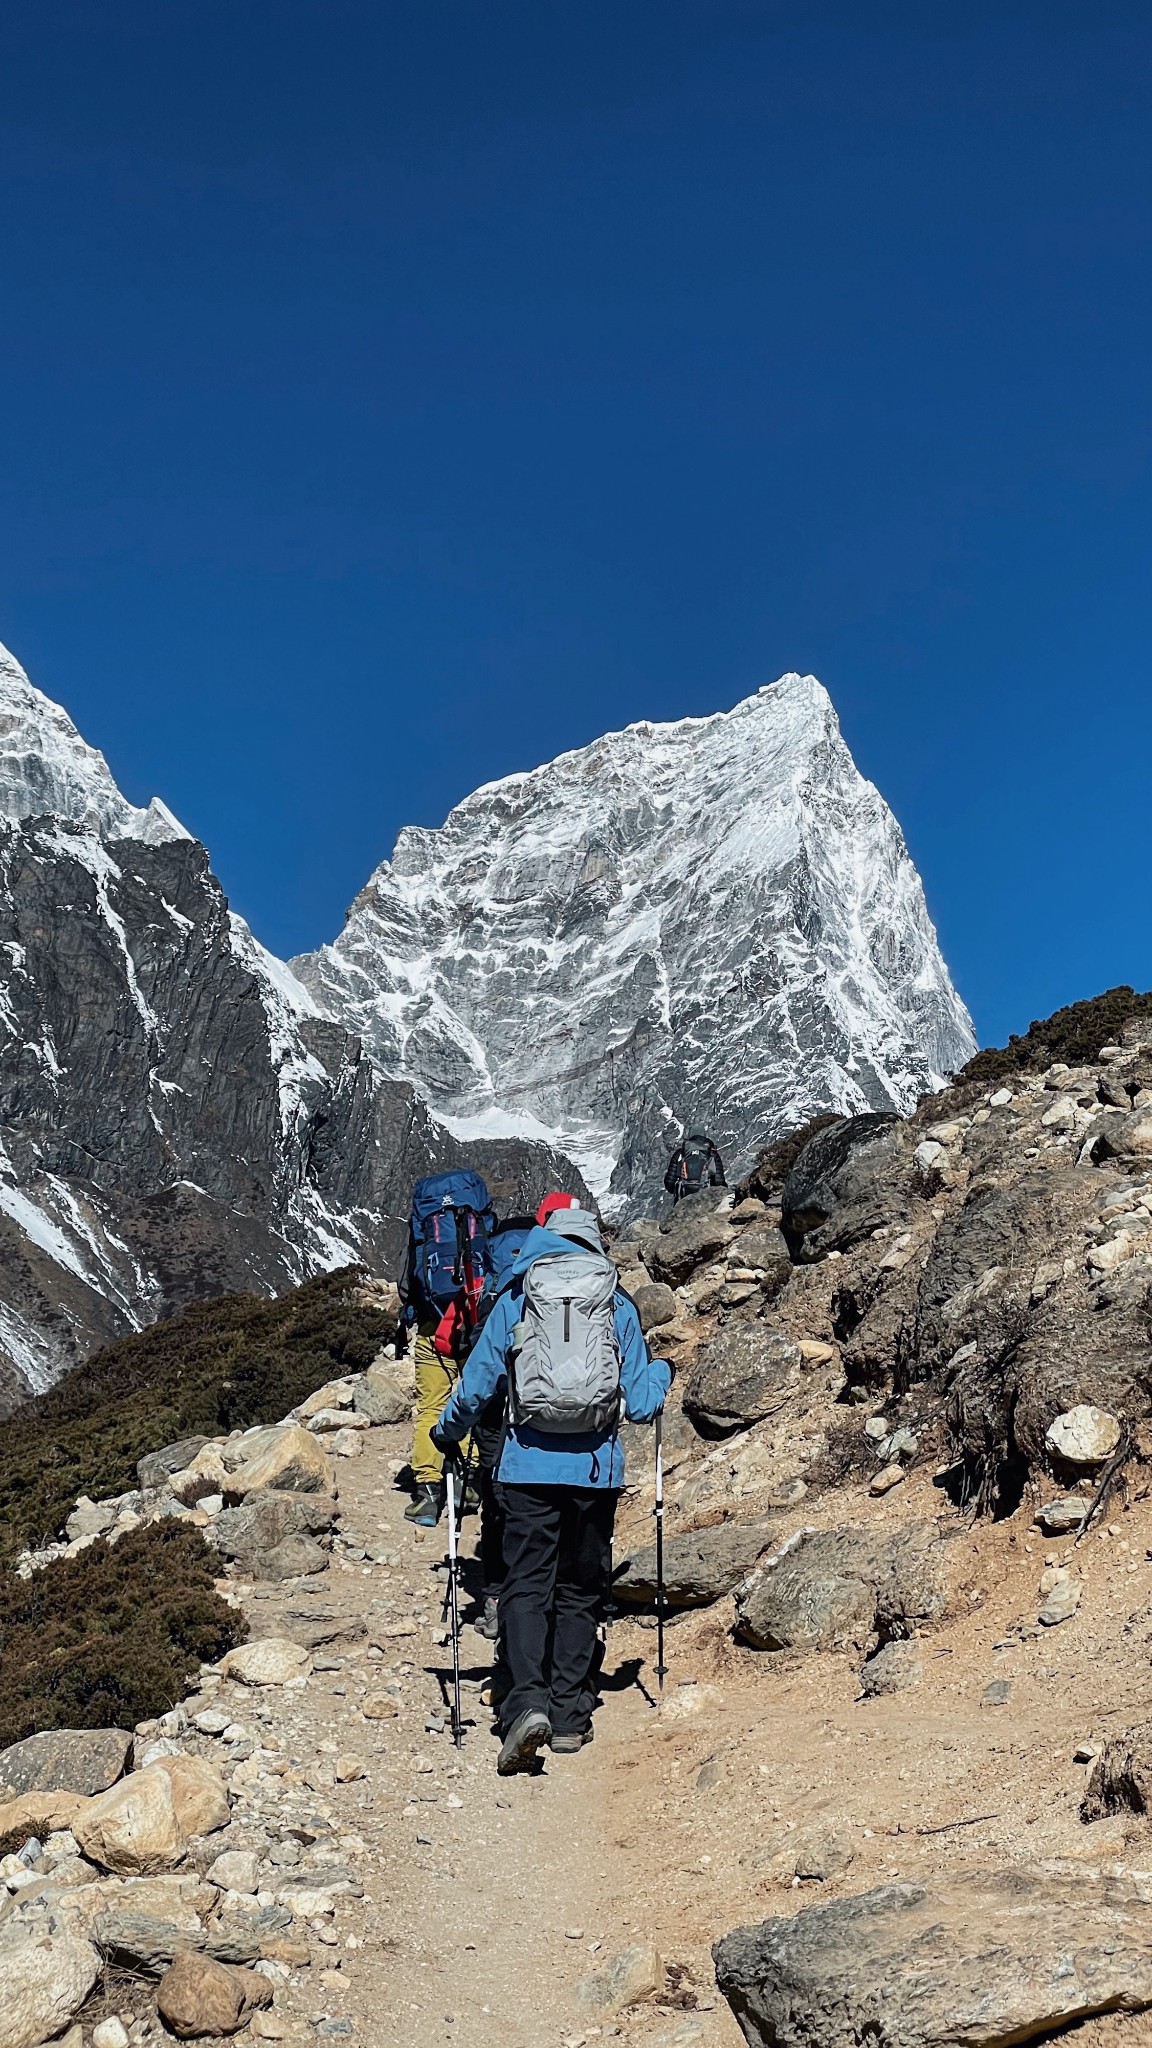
394 395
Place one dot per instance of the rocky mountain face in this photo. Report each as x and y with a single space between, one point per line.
713 923
176 1117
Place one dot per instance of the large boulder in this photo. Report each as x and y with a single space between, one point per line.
247 1533
44 1980
385 1394
272 1660
700 1565
839 1585
852 1177
155 1467
147 1946
198 1795
41 1813
655 1304
973 1960
746 1373
290 1460
699 1230
144 1823
821 1591
83 1760
200 1996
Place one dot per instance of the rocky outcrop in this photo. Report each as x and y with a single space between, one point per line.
178 1119
971 1961
700 1565
746 1372
840 1585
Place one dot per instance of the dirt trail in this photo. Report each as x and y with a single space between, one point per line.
486 1898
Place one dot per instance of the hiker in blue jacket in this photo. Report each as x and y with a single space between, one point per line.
563 1324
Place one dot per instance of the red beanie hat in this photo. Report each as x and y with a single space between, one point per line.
551 1202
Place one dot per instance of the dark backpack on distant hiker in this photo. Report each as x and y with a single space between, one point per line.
694 1164
449 1255
565 1374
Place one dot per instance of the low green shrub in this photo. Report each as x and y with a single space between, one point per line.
218 1366
113 1636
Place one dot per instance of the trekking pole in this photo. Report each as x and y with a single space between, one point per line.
454 1598
658 1511
464 1478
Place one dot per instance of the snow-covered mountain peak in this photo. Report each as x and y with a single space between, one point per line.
710 921
47 770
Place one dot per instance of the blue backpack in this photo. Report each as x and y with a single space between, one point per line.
506 1244
449 1250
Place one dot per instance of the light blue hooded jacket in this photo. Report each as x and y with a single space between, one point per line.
531 1457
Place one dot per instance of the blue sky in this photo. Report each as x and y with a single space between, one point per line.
391 396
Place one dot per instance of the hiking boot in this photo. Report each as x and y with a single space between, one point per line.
424 1511
526 1735
487 1623
567 1745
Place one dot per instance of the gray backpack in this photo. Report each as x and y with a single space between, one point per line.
565 1378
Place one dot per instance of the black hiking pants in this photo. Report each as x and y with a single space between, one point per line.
558 1559
488 1439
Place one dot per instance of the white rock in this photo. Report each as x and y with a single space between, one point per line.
1104 1258
1061 1116
110 2033
1083 1435
212 1721
1000 1099
929 1154
237 1870
336 1418
45 1980
272 1660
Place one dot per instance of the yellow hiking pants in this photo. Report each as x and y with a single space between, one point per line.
435 1379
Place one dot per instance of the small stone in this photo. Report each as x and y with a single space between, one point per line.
1061 1517
893 1668
237 1870
877 1428
822 1852
1000 1099
892 1475
997 1693
348 1769
626 1978
212 1721
110 2033
709 1776
1085 1753
1061 1603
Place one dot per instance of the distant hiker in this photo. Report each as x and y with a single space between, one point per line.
564 1349
695 1164
447 1269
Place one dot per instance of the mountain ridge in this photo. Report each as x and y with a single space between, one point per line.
600 879
177 1120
